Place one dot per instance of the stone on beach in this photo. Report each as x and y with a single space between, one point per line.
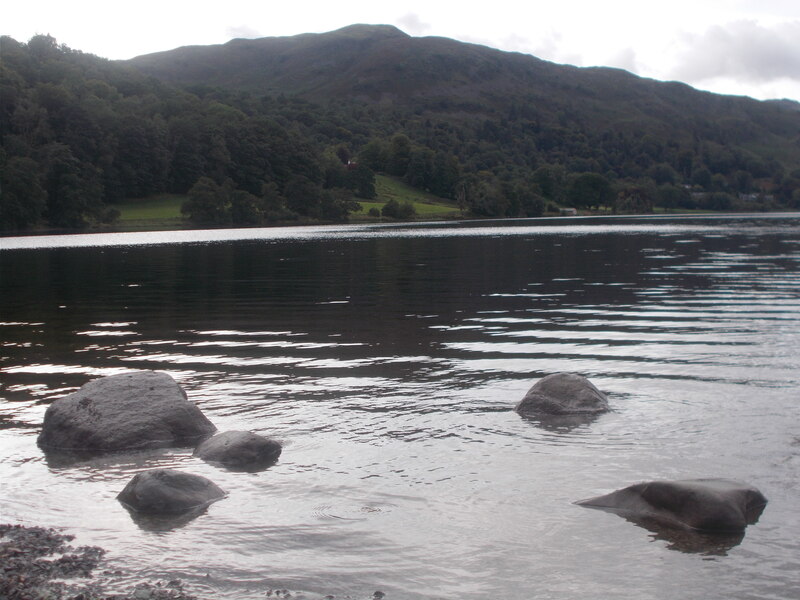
719 505
166 491
563 394
131 411
239 450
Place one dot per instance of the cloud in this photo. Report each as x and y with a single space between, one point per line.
243 31
624 59
551 48
412 24
742 50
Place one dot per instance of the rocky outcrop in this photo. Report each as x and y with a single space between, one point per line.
718 505
166 491
132 411
240 450
563 394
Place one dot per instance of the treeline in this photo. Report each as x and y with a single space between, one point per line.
80 133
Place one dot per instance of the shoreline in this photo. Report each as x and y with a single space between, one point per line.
40 563
42 232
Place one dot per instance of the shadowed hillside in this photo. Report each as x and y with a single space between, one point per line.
278 129
514 123
379 63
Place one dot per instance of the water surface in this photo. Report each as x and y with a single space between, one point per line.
388 360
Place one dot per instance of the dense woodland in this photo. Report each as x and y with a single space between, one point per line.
80 133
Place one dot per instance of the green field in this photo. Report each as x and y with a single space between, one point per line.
427 205
154 212
163 211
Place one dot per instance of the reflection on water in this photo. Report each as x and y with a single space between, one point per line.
387 361
691 542
562 423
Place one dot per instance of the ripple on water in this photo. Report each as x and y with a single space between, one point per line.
387 361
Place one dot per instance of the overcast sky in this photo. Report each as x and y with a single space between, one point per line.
743 47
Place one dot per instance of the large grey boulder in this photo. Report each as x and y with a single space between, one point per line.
241 450
718 505
166 491
132 411
563 394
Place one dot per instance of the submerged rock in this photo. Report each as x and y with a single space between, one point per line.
239 450
719 505
563 394
166 491
132 411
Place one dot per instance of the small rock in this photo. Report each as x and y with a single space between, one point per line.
239 450
718 505
165 491
563 394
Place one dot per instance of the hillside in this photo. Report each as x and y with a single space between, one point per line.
381 65
279 129
504 116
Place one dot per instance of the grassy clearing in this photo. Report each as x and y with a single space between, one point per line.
427 205
162 206
162 211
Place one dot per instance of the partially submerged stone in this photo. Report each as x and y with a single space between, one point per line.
718 505
563 394
166 491
131 411
239 450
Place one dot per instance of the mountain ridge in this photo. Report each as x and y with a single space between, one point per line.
276 128
381 64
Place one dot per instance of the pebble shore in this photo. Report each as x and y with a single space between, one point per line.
39 564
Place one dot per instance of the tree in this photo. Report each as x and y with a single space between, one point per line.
590 189
671 196
635 199
337 203
74 190
445 176
274 204
22 198
399 210
361 180
399 155
303 196
551 181
245 208
374 155
662 173
208 203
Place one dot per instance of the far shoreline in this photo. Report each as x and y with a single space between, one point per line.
42 232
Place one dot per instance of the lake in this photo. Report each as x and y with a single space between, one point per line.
388 360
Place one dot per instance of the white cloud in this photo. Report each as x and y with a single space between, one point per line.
743 50
412 24
552 48
624 59
243 31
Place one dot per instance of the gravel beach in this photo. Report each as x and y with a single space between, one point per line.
40 564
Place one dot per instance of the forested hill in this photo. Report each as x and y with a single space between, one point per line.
509 114
380 65
294 127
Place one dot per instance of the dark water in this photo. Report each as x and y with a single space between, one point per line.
387 360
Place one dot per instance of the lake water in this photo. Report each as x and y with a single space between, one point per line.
388 359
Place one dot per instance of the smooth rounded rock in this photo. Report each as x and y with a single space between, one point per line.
563 394
166 491
131 411
239 450
713 505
